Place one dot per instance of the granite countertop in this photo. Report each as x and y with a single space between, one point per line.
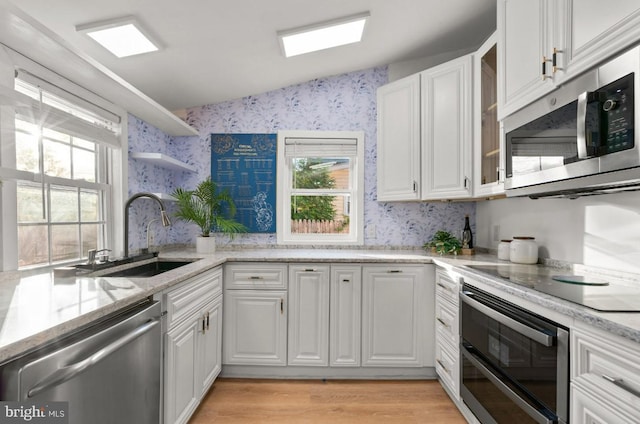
37 309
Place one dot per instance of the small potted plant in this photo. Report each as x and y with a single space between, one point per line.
205 207
443 242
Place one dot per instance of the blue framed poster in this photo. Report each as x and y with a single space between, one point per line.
245 165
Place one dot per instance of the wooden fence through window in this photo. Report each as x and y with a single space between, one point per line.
310 226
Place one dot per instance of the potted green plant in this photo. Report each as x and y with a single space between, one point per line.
443 242
206 206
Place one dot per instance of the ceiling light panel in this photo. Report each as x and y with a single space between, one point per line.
123 37
323 36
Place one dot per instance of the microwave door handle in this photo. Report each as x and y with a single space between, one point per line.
583 100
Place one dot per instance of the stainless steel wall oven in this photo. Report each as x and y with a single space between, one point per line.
515 364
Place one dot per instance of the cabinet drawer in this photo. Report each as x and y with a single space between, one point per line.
447 322
255 275
191 295
447 286
447 368
609 361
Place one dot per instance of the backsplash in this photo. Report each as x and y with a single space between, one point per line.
340 103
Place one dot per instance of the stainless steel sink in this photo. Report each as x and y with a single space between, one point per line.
147 269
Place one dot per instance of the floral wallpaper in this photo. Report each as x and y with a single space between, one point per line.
344 102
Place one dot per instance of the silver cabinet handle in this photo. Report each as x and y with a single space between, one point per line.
443 322
310 270
540 337
256 277
620 383
394 271
444 287
447 370
530 410
68 372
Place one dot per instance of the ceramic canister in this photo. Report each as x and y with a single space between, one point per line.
504 248
523 250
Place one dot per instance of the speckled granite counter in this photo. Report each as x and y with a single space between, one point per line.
37 309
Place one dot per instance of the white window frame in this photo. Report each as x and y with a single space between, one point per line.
284 191
114 159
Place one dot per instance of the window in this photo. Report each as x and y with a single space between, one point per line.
320 184
60 172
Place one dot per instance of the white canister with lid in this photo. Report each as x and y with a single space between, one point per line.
523 250
504 248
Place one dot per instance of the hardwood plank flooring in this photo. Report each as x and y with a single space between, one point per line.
332 401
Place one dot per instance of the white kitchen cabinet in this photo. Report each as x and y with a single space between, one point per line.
544 43
595 30
308 315
447 356
605 377
397 316
398 159
255 327
255 314
345 315
488 152
193 347
447 124
526 35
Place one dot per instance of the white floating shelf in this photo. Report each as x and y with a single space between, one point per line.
164 161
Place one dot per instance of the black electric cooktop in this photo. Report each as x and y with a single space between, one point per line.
596 292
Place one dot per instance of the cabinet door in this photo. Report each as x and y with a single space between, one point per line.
447 130
524 38
210 345
308 315
392 316
488 148
345 312
399 140
595 30
255 327
181 391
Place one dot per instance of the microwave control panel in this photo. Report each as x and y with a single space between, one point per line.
616 115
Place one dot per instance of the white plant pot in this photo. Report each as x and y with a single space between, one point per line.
206 245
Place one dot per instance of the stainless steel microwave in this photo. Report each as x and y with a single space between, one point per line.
580 139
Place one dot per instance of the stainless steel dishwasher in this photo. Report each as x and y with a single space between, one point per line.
109 373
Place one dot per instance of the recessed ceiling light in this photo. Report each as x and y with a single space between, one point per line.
123 37
323 35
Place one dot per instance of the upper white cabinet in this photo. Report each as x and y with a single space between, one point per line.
488 158
399 140
543 43
526 36
447 137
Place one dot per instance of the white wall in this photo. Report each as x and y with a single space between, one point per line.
601 231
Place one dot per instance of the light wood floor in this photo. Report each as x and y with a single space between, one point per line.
316 401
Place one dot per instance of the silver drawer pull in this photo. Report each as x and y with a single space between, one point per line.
443 366
346 281
447 288
394 271
443 322
256 277
620 383
310 270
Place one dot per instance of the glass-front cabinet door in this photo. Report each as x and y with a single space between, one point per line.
488 151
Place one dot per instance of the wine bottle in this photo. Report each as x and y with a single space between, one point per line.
467 236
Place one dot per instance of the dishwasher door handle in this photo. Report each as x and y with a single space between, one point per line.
68 372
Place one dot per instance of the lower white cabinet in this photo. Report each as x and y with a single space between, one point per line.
255 327
447 355
345 315
605 378
309 315
192 343
255 314
396 306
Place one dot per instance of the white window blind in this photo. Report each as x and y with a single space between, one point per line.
320 147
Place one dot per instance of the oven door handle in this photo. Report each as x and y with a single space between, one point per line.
530 410
540 337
